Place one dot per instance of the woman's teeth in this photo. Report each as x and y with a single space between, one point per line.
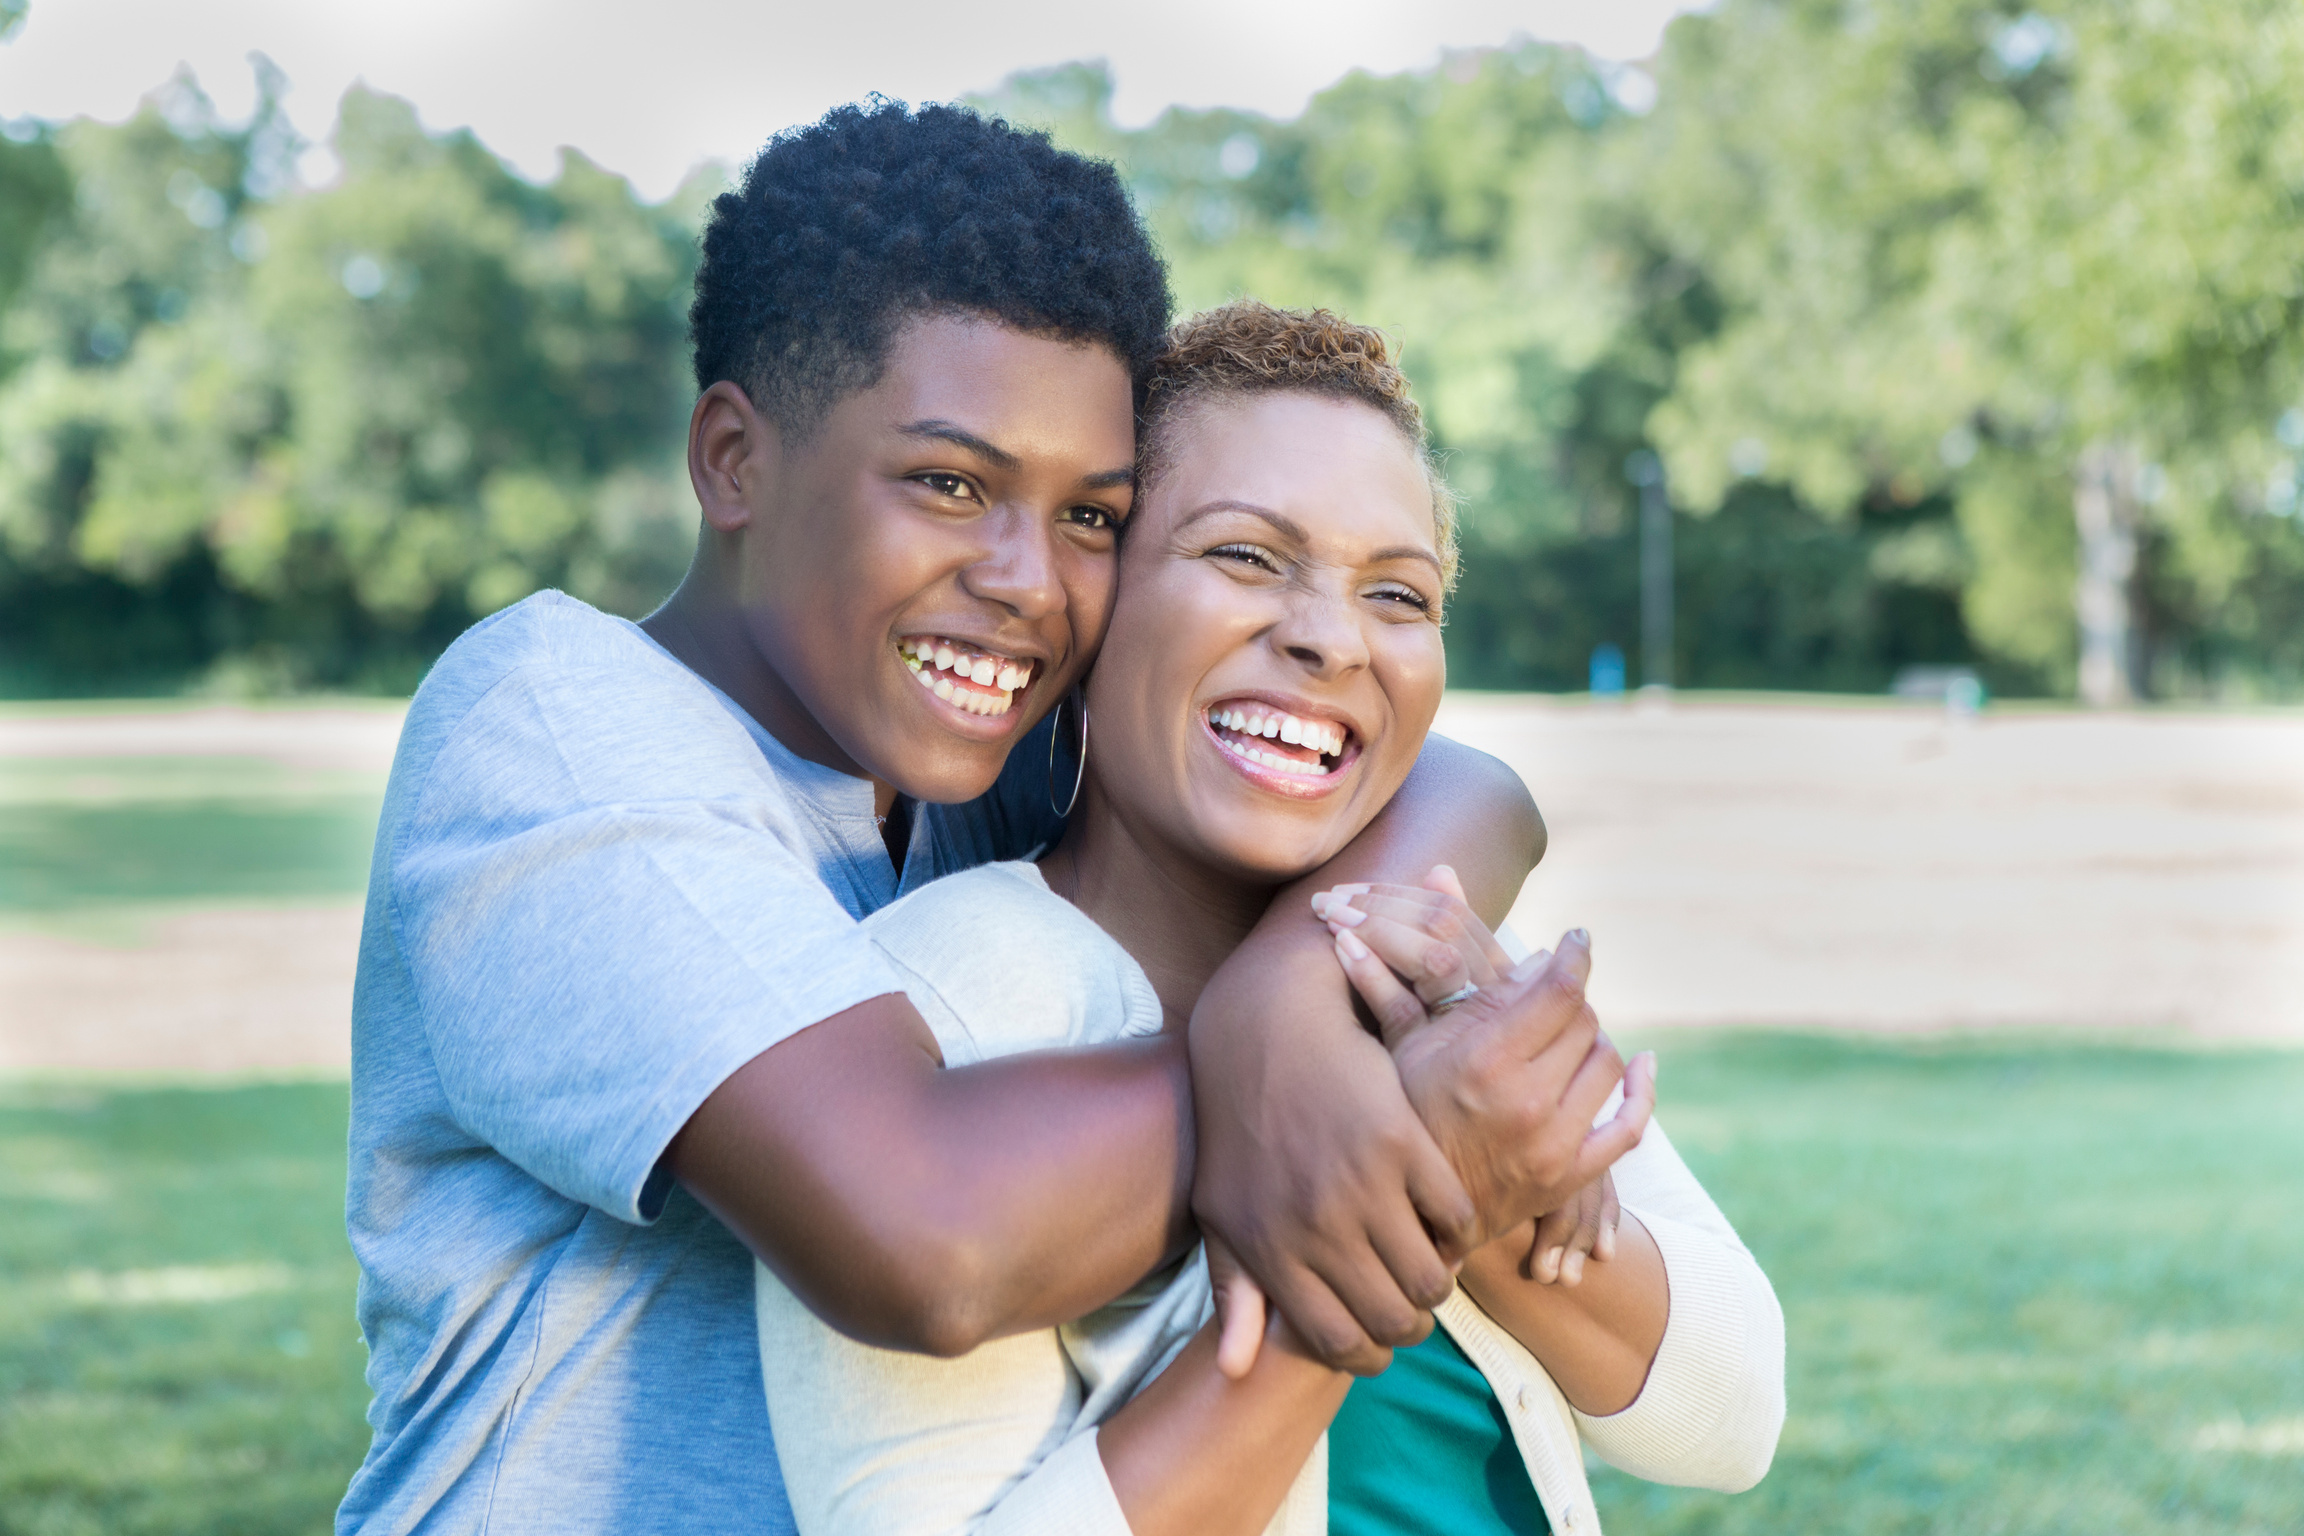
1240 728
980 682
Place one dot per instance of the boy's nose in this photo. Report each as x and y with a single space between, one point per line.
1017 569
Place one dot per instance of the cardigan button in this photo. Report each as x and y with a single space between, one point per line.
1523 1399
1568 1517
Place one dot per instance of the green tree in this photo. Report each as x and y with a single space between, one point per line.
309 436
1484 213
2042 260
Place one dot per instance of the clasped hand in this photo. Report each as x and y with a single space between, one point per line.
1509 1077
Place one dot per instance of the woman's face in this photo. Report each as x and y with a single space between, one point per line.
1274 656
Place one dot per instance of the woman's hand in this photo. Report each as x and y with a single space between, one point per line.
1427 934
1584 1227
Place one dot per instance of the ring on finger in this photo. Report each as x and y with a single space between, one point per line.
1470 989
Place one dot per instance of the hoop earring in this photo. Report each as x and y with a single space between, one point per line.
1055 725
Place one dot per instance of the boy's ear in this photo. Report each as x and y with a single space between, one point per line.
730 444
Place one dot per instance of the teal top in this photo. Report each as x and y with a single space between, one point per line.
1425 1450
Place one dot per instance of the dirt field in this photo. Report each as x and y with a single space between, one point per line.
1738 863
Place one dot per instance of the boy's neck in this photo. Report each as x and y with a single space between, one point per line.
712 640
1178 918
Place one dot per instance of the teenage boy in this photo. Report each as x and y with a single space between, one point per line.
612 1005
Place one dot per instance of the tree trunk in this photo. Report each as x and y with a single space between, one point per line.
2104 506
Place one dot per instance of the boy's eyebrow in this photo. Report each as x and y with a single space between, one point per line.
1294 530
1000 458
961 437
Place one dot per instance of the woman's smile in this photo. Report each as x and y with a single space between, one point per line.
1284 746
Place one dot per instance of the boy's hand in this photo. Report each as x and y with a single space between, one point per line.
1313 1166
1510 1079
1437 946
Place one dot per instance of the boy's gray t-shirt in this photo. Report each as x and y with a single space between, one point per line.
598 889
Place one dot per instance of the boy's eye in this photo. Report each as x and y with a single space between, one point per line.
945 483
1092 517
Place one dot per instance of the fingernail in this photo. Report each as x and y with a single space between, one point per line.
1548 1267
1606 1247
1350 916
1580 936
1319 903
1358 889
1349 942
1572 1270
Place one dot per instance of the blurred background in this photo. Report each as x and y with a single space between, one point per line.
1879 426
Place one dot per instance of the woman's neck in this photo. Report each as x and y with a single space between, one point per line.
1179 919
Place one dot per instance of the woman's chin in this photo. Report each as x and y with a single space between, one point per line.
1266 854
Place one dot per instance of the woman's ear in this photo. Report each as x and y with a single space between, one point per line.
730 444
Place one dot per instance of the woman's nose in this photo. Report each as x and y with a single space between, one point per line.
1321 633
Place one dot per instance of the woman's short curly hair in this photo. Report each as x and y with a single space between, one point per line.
1248 347
844 229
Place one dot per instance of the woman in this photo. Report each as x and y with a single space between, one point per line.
1272 666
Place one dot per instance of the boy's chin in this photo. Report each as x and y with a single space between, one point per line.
946 776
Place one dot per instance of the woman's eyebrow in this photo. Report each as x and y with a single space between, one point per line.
1406 552
1287 526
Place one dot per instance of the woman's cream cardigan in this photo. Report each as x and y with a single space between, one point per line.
1002 1441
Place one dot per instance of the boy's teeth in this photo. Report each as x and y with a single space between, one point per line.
944 669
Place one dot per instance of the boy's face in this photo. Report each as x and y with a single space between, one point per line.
931 570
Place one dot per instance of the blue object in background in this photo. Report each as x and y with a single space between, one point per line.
1608 671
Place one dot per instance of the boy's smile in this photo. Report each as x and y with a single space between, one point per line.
919 578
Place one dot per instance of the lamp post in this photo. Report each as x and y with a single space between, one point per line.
1646 471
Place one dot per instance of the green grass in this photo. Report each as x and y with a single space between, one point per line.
2027 1288
2031 1289
79 836
178 1351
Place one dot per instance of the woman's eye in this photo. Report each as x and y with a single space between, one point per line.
1247 553
947 484
1407 597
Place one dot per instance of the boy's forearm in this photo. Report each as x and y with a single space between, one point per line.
931 1209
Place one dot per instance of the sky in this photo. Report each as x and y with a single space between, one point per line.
650 91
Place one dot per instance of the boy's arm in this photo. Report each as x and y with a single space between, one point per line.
928 1208
1312 1165
932 1209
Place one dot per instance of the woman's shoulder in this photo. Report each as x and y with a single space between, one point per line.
1010 891
999 958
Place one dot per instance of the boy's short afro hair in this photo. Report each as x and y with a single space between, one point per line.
844 229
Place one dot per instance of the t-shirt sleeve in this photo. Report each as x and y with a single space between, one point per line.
604 914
